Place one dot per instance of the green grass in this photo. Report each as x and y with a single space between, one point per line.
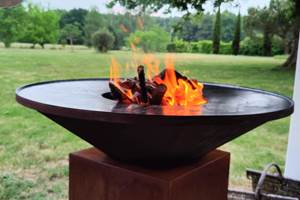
34 151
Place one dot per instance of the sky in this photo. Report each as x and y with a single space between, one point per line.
87 4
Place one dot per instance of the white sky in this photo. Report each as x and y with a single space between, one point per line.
87 4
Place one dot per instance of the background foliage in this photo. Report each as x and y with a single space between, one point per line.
263 31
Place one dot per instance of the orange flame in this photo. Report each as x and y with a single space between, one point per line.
115 77
114 71
152 65
180 90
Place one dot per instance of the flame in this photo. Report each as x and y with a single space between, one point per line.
115 78
114 71
180 90
152 65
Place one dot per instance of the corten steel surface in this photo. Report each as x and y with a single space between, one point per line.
95 176
153 133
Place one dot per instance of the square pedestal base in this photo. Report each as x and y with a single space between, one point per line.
94 176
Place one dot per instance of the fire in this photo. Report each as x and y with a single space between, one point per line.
180 91
115 78
177 89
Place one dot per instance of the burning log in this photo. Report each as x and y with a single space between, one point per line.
142 84
158 94
118 93
167 88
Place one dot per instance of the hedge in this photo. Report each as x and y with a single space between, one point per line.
203 46
249 46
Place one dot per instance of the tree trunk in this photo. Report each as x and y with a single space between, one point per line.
71 43
267 46
286 45
7 44
292 59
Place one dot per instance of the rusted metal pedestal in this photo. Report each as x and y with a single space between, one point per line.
94 176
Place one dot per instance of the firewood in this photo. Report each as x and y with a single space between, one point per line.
142 83
118 93
177 74
157 94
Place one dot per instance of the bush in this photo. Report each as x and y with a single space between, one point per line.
195 47
178 46
252 46
249 46
226 48
277 46
206 46
103 40
155 39
171 47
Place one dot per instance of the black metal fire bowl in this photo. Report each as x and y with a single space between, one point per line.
136 133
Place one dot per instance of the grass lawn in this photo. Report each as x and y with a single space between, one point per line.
34 151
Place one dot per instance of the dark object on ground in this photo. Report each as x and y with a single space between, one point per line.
95 176
149 134
268 186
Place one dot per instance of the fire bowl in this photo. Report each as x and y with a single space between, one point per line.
147 134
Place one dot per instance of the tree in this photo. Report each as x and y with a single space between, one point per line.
228 25
11 24
237 36
284 20
42 26
262 21
103 40
93 22
70 33
292 59
217 33
155 39
72 17
155 5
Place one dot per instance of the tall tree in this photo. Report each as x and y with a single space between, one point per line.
262 20
228 25
155 5
42 26
217 33
93 22
11 24
75 16
284 21
70 33
237 36
292 59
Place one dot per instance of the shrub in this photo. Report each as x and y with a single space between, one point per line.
252 46
178 46
182 46
277 46
195 47
206 46
103 40
171 47
155 39
226 48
